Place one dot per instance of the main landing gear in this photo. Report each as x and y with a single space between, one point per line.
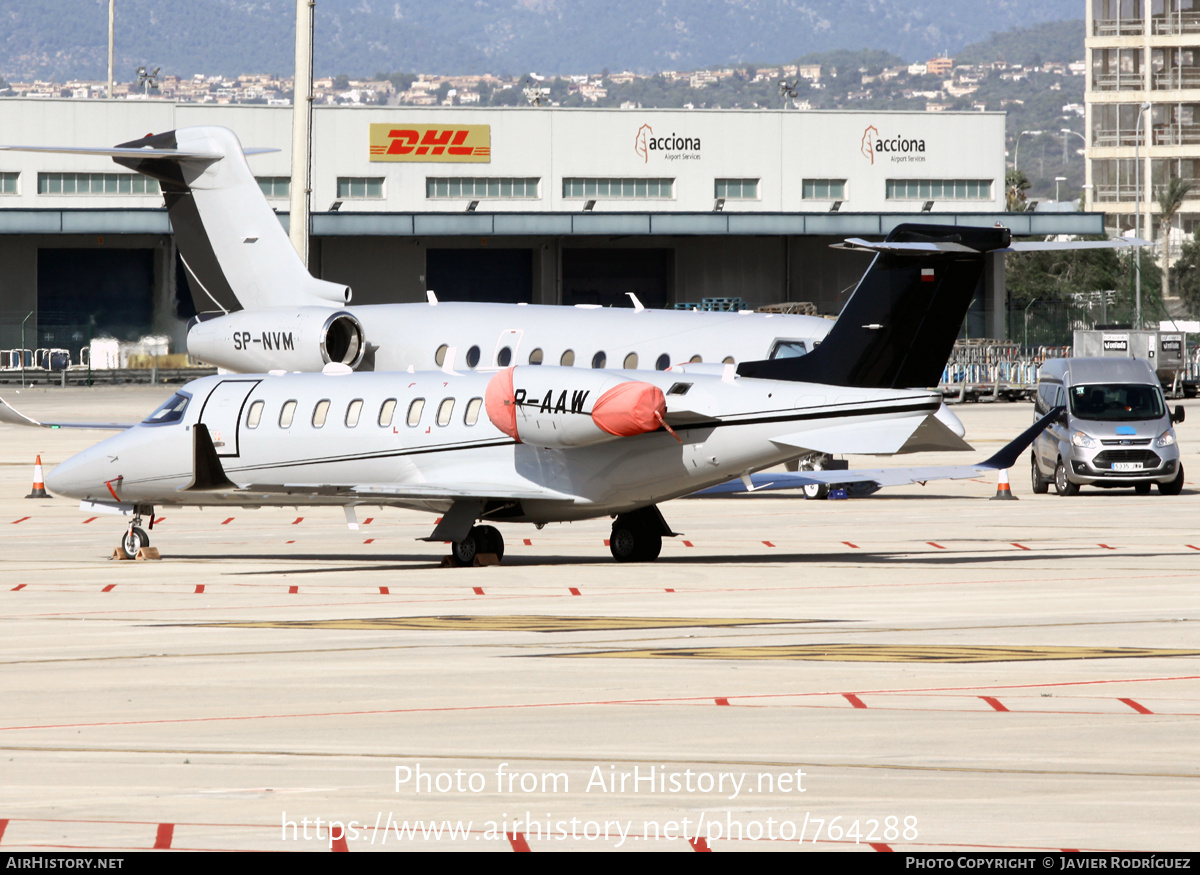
637 536
135 537
481 539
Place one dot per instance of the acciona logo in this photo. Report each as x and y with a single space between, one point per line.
897 149
672 147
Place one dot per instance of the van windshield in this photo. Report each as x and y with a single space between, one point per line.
1119 402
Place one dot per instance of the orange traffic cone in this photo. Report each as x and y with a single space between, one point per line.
1003 492
39 485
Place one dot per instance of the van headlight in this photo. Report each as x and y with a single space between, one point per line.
1080 439
1166 439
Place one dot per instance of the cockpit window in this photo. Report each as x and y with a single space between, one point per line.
788 349
172 411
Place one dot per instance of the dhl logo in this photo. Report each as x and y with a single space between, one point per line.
466 144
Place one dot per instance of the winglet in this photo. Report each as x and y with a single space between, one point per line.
1007 456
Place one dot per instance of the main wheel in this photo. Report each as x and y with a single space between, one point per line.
631 544
1040 485
462 553
816 490
489 540
132 541
1062 484
1174 487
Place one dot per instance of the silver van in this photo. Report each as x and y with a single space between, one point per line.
1115 431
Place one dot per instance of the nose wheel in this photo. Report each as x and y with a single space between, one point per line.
135 537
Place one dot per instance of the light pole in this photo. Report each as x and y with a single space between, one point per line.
1057 180
1017 148
1137 214
1066 132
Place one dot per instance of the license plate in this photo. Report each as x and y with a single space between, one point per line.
1127 466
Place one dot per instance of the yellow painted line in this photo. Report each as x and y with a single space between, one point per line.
513 623
889 653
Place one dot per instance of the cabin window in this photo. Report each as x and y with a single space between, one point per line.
631 361
663 363
472 357
728 360
535 357
600 359
254 416
286 414
414 411
472 415
386 411
695 360
568 359
444 411
504 357
679 389
353 411
320 412
440 355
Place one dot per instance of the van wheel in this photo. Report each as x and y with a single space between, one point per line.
1062 484
1174 487
1142 488
1040 485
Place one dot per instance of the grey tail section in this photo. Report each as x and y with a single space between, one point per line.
899 327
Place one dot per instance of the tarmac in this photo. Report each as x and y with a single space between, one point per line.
921 670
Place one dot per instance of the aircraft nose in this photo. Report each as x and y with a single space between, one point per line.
80 476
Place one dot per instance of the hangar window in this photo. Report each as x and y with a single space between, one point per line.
414 412
631 361
320 412
8 183
359 186
440 355
535 357
664 362
626 188
481 187
286 413
445 409
568 359
472 415
275 186
96 183
737 189
939 189
353 411
254 416
600 359
823 189
386 411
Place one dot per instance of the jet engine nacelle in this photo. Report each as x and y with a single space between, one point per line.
293 339
567 407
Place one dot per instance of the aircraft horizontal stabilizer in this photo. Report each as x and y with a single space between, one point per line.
881 438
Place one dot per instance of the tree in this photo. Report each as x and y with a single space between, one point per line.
1187 277
1170 201
1015 184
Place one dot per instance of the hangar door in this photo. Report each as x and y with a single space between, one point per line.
603 276
503 276
115 286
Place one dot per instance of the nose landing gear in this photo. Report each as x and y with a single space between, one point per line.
135 537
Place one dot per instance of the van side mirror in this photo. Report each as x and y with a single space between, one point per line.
1177 416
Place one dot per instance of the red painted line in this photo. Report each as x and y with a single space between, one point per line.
668 590
768 543
517 840
853 700
606 542
108 588
1021 546
153 522
17 587
721 700
478 590
688 544
297 520
879 846
1106 547
369 541
227 522
994 702
3 826
699 845
21 520
368 521
289 542
1190 547
293 590
88 520
935 544
383 590
851 546
528 543
437 521
1141 709
162 838
338 845
573 591
199 588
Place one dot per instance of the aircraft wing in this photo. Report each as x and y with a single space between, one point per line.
13 416
948 246
879 477
371 492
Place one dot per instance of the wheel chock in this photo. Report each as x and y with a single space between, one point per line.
118 553
482 560
145 553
